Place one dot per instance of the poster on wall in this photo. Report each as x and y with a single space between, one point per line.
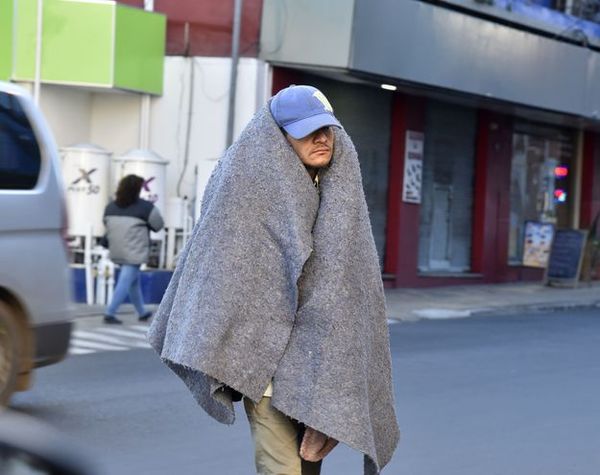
537 245
413 167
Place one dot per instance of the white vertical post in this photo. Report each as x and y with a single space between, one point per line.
144 136
110 281
162 252
87 261
145 102
38 52
187 230
171 237
101 282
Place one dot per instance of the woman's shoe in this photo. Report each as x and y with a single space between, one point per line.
145 317
112 320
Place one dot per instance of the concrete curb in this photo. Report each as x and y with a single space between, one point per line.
449 314
539 308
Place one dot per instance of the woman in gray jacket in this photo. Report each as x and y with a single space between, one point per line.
128 221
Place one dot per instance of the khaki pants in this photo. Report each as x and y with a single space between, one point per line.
277 441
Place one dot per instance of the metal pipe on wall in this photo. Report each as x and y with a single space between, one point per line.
235 48
38 52
144 122
144 136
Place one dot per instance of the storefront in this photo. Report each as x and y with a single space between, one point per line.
488 126
541 181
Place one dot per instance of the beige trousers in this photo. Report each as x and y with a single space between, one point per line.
277 441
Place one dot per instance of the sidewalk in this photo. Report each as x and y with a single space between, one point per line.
469 300
455 301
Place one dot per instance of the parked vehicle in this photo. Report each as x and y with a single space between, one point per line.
28 446
35 289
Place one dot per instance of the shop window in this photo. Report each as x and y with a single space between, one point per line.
540 187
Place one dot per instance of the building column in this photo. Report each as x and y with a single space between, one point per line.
491 208
402 234
590 179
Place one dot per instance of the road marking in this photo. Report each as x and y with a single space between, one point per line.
109 339
80 351
123 333
86 344
92 340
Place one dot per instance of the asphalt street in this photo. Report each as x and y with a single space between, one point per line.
513 395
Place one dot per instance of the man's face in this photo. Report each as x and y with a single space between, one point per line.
315 150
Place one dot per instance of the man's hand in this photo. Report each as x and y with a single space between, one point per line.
316 445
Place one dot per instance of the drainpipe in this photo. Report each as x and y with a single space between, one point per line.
144 137
38 52
235 47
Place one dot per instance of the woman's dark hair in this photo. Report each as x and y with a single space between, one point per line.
128 190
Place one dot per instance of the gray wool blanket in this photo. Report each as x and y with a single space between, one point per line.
279 283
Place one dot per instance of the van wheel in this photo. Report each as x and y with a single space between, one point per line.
9 354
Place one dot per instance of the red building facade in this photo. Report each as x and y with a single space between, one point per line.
204 27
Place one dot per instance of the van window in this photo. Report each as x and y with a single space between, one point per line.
20 159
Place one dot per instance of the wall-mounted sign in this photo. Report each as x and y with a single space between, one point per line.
413 166
538 240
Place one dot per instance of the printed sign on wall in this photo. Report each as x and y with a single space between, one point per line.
536 248
413 167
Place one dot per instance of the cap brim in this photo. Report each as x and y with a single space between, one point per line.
304 127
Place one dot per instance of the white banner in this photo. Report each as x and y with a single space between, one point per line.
413 167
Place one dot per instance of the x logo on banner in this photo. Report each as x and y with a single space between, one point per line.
147 182
85 175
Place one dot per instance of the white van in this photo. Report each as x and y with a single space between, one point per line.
35 289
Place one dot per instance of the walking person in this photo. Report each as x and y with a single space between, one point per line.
128 221
277 297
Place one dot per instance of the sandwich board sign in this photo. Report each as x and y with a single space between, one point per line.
566 255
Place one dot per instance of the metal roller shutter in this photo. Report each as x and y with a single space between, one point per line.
447 203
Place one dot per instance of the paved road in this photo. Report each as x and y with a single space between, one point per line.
515 395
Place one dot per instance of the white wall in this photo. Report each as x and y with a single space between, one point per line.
114 121
170 114
68 111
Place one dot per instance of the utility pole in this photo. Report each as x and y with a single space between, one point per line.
235 53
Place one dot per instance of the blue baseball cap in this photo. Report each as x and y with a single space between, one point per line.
300 110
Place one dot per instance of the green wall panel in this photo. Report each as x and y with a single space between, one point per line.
25 39
88 43
6 45
140 49
78 42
